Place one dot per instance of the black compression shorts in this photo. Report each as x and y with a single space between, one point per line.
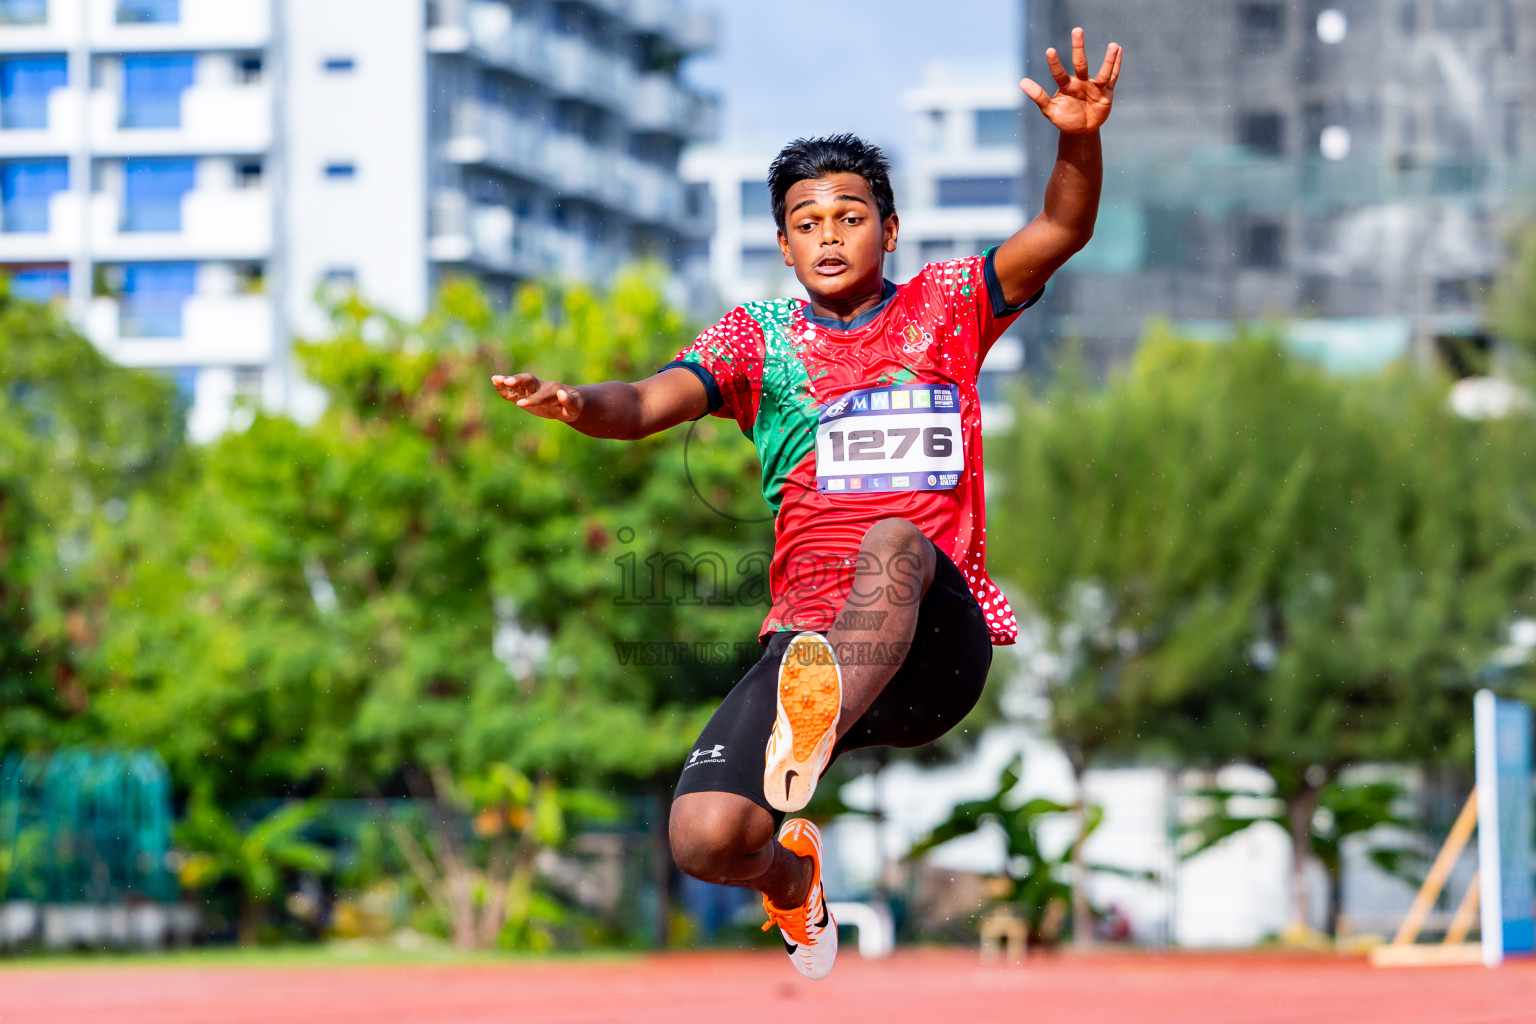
937 685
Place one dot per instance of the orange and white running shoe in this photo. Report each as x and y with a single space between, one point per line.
805 728
810 934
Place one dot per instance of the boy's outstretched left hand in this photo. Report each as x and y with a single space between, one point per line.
549 399
1081 103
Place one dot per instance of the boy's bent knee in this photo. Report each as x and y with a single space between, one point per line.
715 835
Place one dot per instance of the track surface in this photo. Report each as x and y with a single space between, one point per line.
748 988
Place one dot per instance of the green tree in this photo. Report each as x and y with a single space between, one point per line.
79 436
1038 884
323 608
1236 557
254 858
1512 304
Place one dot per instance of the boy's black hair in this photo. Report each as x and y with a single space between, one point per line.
805 159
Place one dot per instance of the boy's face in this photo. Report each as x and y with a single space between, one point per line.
834 238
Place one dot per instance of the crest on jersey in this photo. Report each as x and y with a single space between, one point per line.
918 340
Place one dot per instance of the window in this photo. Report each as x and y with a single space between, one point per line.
250 278
997 128
152 297
39 284
1261 26
23 12
248 173
936 250
25 189
152 88
148 12
760 261
340 278
25 83
755 200
1263 245
1262 132
249 70
978 191
341 171
152 192
339 65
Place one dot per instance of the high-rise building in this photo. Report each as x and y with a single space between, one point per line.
191 174
1338 168
957 190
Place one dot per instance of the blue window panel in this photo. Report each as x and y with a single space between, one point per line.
25 188
153 190
23 12
40 284
341 171
25 83
152 88
979 191
152 298
140 12
340 65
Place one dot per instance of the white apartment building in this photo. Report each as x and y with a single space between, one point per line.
959 190
190 175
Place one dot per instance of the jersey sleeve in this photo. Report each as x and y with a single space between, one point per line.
728 360
973 297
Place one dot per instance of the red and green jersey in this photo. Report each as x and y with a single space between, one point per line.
862 421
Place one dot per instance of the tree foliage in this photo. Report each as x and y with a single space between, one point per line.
1236 557
322 608
78 435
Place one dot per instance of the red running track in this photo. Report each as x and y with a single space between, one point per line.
747 988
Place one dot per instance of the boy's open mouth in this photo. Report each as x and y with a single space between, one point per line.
830 266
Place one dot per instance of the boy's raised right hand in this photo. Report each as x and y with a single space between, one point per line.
549 399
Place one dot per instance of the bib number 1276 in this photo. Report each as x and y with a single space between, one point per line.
876 445
896 438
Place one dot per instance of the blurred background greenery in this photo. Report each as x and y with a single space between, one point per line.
376 653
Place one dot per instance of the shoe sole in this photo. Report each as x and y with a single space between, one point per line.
810 701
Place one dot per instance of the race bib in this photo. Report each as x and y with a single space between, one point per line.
900 438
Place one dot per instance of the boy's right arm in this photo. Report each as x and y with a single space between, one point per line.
624 412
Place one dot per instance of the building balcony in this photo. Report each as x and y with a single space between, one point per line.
578 69
228 224
57 33
222 119
651 194
203 25
659 104
62 136
490 32
58 244
688 30
214 330
485 235
484 134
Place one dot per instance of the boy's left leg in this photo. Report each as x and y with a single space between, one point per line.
827 684
872 633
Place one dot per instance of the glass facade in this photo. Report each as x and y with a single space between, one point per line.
152 192
25 189
152 88
138 12
978 191
23 12
39 284
152 297
25 83
997 128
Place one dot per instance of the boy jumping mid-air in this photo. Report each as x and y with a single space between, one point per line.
862 404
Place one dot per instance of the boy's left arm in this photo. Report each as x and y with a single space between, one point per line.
1065 222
